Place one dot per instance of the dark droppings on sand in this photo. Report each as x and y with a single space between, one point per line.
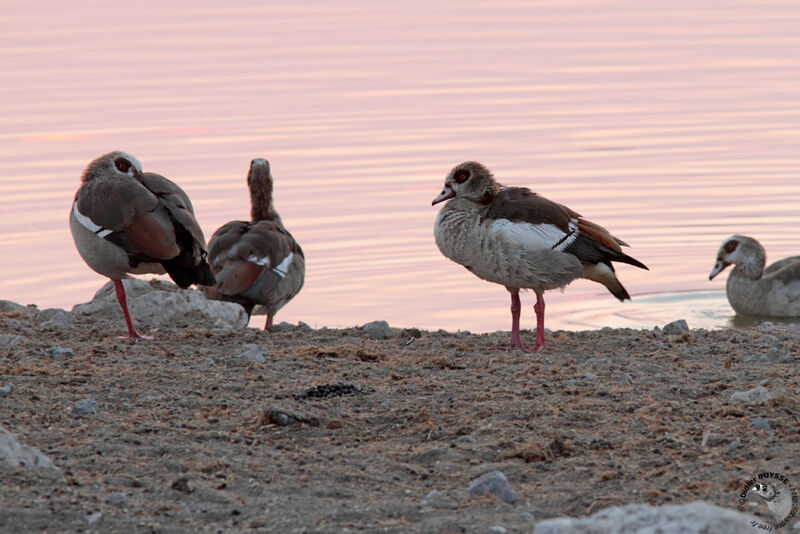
394 422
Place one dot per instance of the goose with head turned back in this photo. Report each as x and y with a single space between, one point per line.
521 240
258 261
753 290
126 221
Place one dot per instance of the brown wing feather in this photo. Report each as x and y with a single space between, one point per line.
153 234
599 234
522 204
237 276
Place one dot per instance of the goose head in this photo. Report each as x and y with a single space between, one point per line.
745 253
115 163
469 180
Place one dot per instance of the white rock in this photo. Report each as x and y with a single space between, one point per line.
691 518
14 453
378 330
758 395
493 482
676 327
254 352
7 306
159 303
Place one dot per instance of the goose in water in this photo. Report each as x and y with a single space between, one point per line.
521 240
753 290
257 261
125 221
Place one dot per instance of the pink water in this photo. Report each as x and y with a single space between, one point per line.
673 125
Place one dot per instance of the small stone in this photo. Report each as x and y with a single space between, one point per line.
386 404
572 382
734 448
58 352
498 529
117 498
377 330
14 454
597 362
93 518
590 376
59 319
676 327
416 333
658 345
182 484
527 516
773 355
760 423
758 395
84 407
465 439
283 326
493 482
433 496
305 327
282 417
6 390
9 340
766 326
769 339
254 352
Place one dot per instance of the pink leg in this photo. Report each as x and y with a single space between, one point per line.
123 302
516 307
268 324
539 309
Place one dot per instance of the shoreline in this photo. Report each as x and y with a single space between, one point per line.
328 430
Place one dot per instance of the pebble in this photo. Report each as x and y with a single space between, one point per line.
761 423
658 345
465 439
676 327
93 518
527 516
773 355
9 340
432 497
283 326
493 482
590 376
182 484
305 327
59 353
6 390
386 404
758 395
498 529
281 417
254 352
84 407
377 330
597 361
766 326
118 498
59 319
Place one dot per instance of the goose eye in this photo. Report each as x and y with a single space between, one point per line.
122 165
461 176
730 246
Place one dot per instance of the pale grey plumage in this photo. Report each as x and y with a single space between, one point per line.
753 290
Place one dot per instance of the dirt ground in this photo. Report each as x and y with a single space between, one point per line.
337 432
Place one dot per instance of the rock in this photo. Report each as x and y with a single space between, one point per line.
433 497
117 498
254 352
6 390
182 484
658 345
94 518
498 529
760 423
84 407
9 340
493 482
9 307
378 330
590 376
283 326
465 439
59 319
527 516
773 355
758 395
305 327
14 454
766 326
602 362
676 327
692 518
416 333
163 304
282 417
59 353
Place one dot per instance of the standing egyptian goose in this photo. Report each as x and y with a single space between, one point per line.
258 261
514 237
127 221
753 290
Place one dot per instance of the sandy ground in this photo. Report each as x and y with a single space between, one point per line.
191 434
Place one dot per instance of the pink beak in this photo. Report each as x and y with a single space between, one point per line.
446 194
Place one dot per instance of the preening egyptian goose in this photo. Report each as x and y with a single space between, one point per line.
753 290
514 237
258 261
126 221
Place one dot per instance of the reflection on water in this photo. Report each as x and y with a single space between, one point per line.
673 125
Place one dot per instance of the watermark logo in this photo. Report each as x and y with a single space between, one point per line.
775 490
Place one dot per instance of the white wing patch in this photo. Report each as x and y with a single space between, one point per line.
536 236
264 262
283 267
88 223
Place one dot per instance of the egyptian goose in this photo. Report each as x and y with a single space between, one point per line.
258 261
753 290
514 237
125 221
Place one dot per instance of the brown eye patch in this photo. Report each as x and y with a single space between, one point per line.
122 164
461 176
730 246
